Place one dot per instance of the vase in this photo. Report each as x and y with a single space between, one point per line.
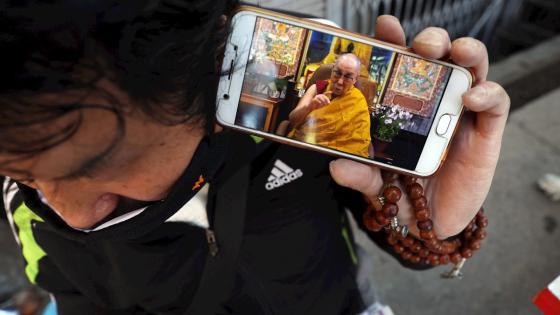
379 146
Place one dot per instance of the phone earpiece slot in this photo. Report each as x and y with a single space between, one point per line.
231 69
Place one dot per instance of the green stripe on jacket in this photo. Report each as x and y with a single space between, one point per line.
32 252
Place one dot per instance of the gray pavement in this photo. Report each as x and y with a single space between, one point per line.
518 66
522 252
530 73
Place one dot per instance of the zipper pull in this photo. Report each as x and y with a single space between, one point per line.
212 244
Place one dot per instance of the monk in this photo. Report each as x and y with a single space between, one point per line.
335 113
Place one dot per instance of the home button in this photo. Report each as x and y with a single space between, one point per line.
443 124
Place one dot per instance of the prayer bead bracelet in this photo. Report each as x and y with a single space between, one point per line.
424 248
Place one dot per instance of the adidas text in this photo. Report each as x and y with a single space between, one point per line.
280 181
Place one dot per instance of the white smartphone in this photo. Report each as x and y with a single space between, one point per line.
312 85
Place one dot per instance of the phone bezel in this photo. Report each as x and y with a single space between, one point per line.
229 90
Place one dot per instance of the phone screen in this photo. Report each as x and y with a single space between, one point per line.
341 94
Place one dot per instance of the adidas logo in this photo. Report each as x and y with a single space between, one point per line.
281 174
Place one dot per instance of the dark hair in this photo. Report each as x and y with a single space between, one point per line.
157 51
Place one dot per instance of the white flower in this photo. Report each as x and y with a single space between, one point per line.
388 121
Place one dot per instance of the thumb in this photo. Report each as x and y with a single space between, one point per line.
360 177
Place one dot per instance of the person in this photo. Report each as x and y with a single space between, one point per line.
126 199
335 113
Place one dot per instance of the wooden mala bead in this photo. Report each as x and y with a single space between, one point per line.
392 194
425 248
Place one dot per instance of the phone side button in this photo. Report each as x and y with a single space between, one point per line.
443 124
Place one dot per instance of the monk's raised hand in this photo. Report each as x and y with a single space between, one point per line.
320 100
458 190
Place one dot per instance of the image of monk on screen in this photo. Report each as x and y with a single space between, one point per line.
334 113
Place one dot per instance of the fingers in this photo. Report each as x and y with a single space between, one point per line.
432 42
321 100
471 53
357 176
324 99
491 103
389 29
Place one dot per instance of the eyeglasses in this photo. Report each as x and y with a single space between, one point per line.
337 74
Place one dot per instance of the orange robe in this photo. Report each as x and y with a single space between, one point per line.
342 125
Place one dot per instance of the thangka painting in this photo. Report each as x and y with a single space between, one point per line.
277 43
416 85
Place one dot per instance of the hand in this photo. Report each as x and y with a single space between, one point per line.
320 100
460 187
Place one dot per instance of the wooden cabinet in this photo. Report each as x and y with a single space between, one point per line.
271 106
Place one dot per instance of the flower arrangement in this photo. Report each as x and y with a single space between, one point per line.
390 121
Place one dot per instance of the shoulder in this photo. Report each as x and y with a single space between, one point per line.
355 92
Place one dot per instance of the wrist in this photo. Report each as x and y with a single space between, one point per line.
310 107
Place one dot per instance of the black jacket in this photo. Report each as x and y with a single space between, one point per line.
294 256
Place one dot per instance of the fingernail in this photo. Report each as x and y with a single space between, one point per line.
478 94
472 45
392 17
334 164
430 38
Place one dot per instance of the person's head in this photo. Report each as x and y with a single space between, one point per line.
345 73
102 100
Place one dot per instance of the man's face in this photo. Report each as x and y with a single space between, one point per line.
343 76
85 177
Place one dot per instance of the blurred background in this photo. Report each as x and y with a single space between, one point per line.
522 252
